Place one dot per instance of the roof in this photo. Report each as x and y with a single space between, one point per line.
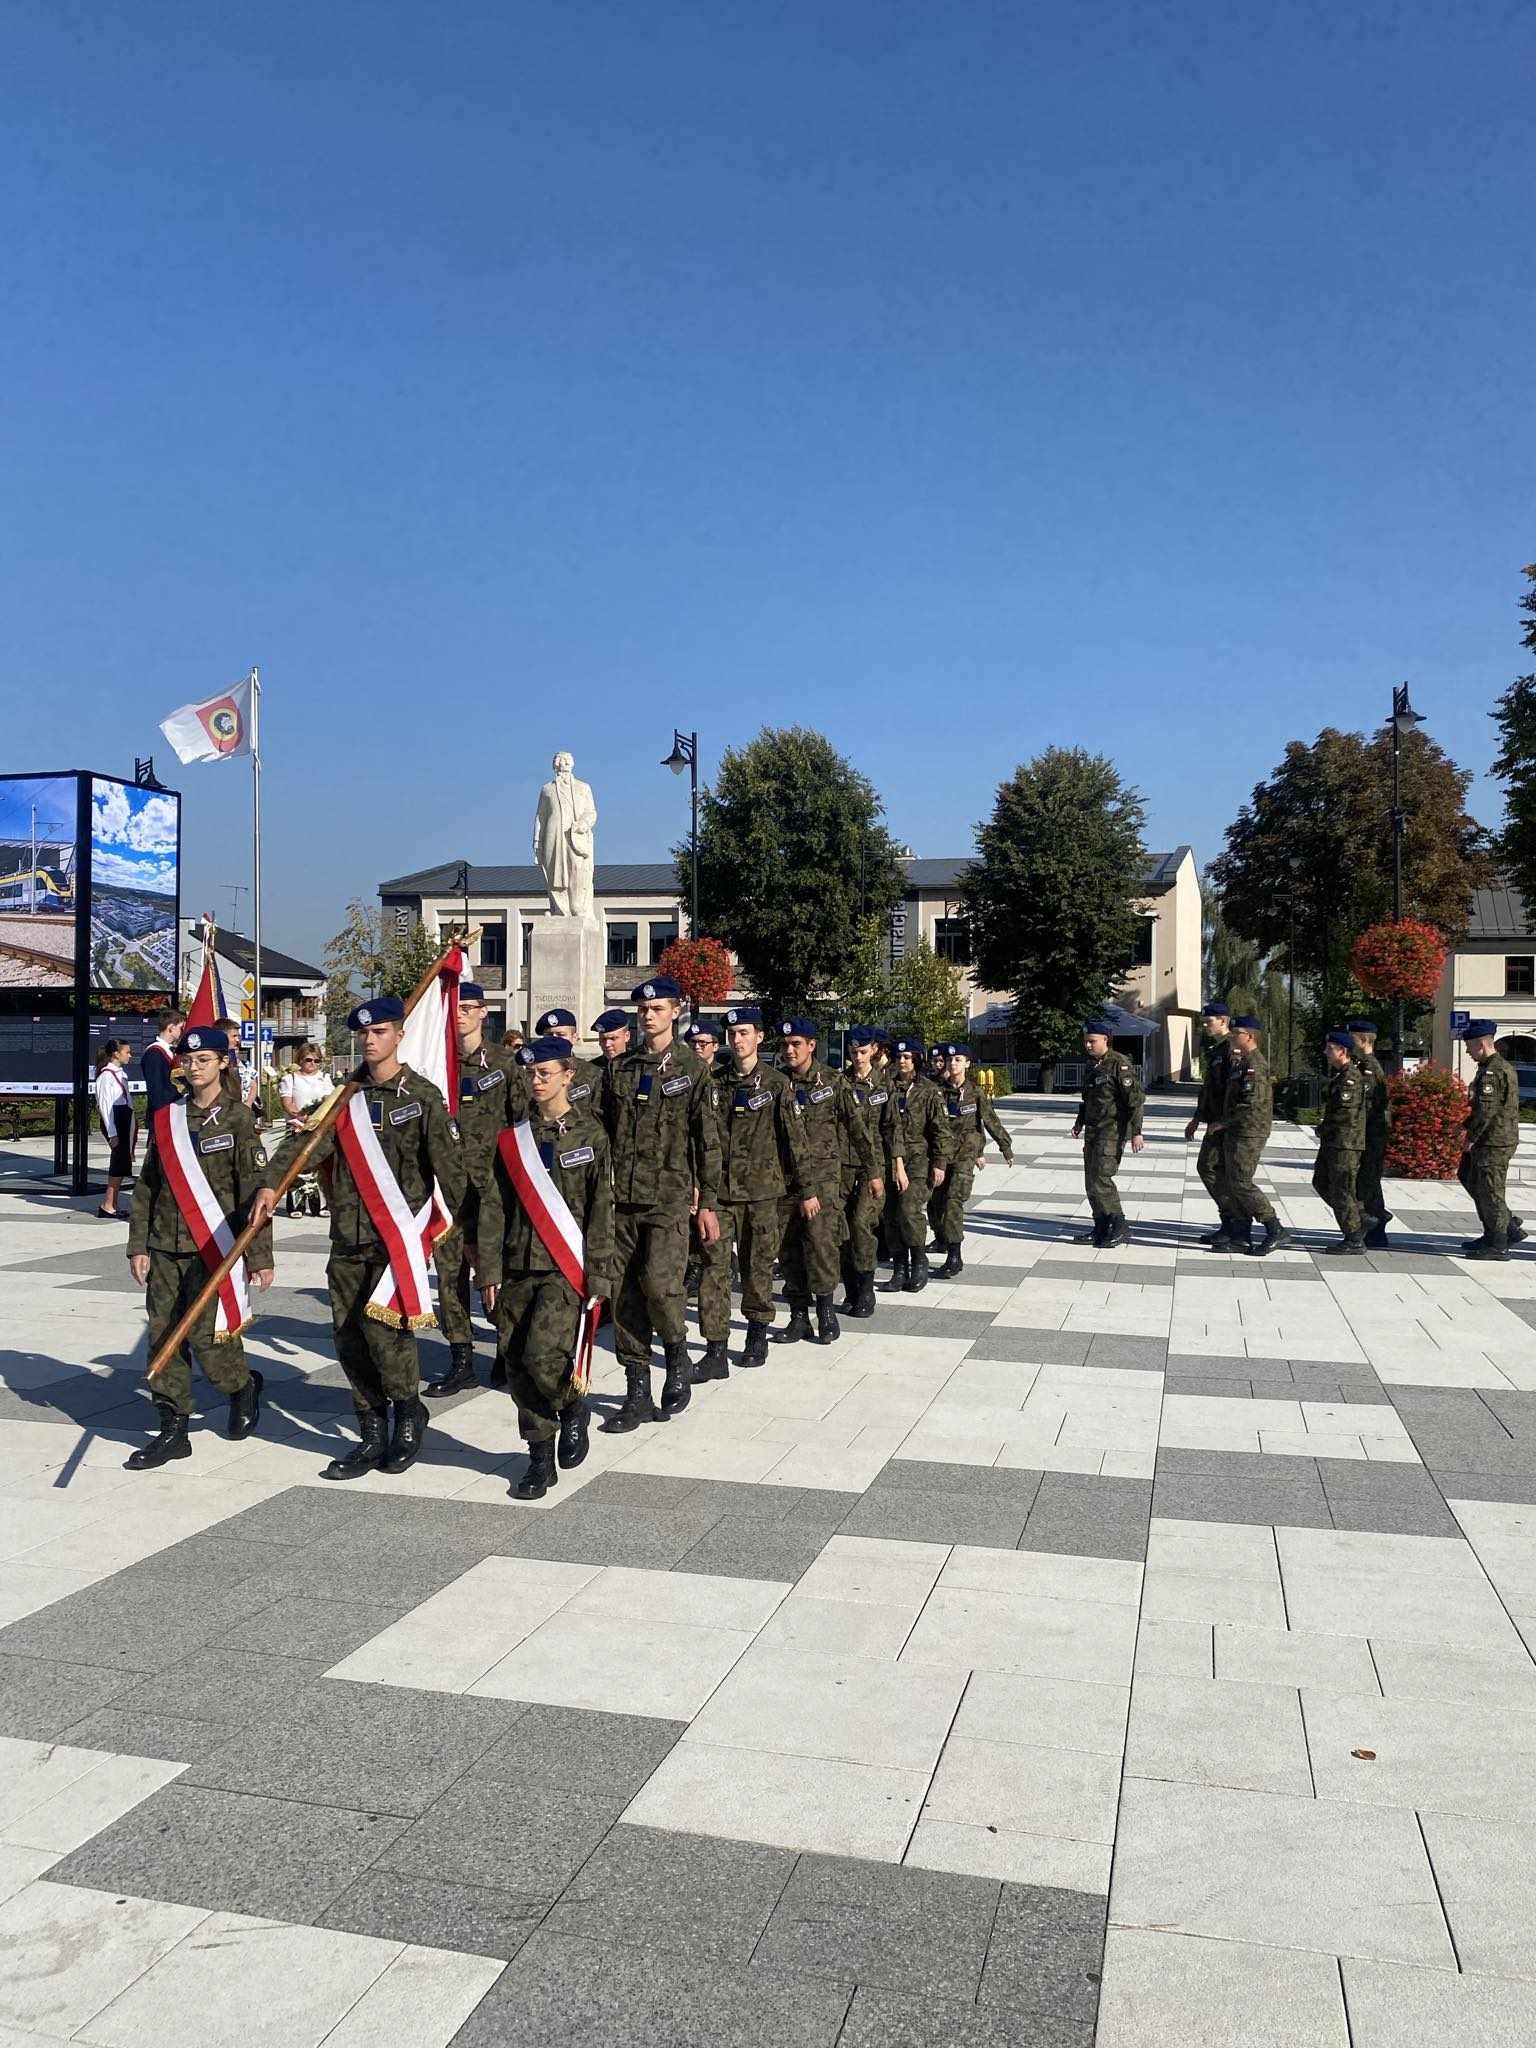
1160 873
241 952
1499 913
611 878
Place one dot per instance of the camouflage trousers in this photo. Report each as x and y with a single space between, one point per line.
378 1360
812 1252
862 1211
906 1215
946 1205
653 1260
174 1280
755 1229
1102 1151
1335 1177
1241 1197
450 1255
538 1320
1209 1166
1368 1176
1483 1173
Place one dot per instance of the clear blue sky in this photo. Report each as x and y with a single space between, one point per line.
958 379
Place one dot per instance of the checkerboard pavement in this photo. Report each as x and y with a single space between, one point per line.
1131 1648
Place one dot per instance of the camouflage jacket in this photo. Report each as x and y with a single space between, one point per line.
1112 1096
762 1147
420 1142
493 1092
1345 1094
1495 1112
972 1120
1248 1106
1378 1102
1217 1055
575 1150
586 1088
831 1125
872 1107
230 1152
918 1132
659 1113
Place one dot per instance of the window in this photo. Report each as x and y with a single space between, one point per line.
662 936
493 945
623 945
1519 974
949 940
1142 957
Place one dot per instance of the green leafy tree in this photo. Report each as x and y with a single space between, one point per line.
793 858
1515 766
923 996
864 990
370 956
1310 854
1048 899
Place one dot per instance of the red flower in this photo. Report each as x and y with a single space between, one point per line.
1401 961
701 968
1429 1108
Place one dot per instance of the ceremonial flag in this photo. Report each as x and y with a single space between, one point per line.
430 1047
215 730
208 1003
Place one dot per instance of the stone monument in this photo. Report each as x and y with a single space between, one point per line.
565 949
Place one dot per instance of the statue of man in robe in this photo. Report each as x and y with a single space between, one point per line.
562 840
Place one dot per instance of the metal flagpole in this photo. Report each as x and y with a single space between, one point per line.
256 859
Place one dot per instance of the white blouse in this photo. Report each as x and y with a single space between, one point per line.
111 1089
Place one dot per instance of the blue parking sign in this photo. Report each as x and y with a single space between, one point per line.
1460 1019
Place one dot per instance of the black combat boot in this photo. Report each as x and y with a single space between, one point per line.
1376 1239
798 1326
900 1261
540 1475
459 1377
864 1307
1275 1236
638 1405
245 1407
677 1387
1242 1234
1095 1236
828 1328
693 1273
573 1434
410 1428
953 1265
918 1274
1346 1248
714 1365
849 1305
1516 1234
365 1455
1492 1250
755 1351
170 1443
498 1373
1119 1232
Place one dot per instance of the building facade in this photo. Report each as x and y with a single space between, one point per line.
1490 973
292 992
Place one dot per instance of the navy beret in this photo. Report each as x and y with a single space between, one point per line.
1215 1010
1479 1027
659 986
1248 1023
799 1027
1340 1038
705 1028
205 1039
961 1048
377 1010
1100 1025
611 1020
551 1018
879 1034
546 1048
1362 1024
911 1045
747 1014
471 992
864 1034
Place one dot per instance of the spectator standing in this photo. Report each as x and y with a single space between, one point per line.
114 1109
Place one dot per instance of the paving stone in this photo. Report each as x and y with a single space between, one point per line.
567 1747
1033 1347
169 1737
907 1515
1079 1515
1232 1389
299 1516
1366 1510
1194 1500
41 1696
1148 1354
396 1905
514 1835
887 2019
718 1894
648 1540
301 1627
231 1852
858 1922
1174 1991
1046 1954
219 1683
743 1549
1001 1486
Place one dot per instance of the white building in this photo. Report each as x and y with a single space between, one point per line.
1490 973
292 992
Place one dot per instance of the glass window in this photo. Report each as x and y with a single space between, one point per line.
493 945
1142 957
662 936
949 940
1519 974
623 945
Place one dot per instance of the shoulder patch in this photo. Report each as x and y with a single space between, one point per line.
405 1113
582 1156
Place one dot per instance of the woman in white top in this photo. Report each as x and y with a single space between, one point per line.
115 1112
305 1086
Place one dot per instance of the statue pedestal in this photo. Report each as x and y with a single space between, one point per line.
565 970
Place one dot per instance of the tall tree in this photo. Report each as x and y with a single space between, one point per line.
1310 854
923 996
1515 716
1049 896
792 858
370 956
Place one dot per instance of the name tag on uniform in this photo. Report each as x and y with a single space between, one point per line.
403 1116
821 1095
580 1092
493 1079
582 1156
678 1085
759 1101
224 1142
878 1095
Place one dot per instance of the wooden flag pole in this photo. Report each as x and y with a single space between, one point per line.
321 1122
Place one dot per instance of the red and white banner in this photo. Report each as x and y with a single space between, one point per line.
201 1213
558 1231
401 1297
208 1003
430 1047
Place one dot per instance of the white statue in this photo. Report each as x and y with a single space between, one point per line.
562 840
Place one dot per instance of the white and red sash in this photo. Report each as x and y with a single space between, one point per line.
401 1298
558 1231
202 1214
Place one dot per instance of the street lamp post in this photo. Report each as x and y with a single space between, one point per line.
1404 719
685 754
461 882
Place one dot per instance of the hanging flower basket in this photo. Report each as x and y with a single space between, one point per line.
1399 962
1429 1109
701 968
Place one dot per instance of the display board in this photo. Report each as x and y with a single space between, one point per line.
41 880
135 860
36 1052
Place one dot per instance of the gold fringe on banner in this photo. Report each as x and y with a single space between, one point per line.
396 1321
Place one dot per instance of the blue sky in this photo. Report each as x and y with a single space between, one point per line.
959 380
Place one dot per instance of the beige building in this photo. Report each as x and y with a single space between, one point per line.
1491 973
292 992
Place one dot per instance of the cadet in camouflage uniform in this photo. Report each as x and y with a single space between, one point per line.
1247 1117
421 1145
917 1148
614 1037
163 1254
816 1228
1378 1131
761 1171
1216 1059
586 1075
703 1037
538 1312
864 1193
659 1112
1341 1137
972 1120
493 1092
1490 1139
1111 1113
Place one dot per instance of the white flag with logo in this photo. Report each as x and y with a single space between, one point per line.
212 731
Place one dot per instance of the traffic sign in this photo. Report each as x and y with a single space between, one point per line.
1460 1019
247 1033
266 1034
247 1011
